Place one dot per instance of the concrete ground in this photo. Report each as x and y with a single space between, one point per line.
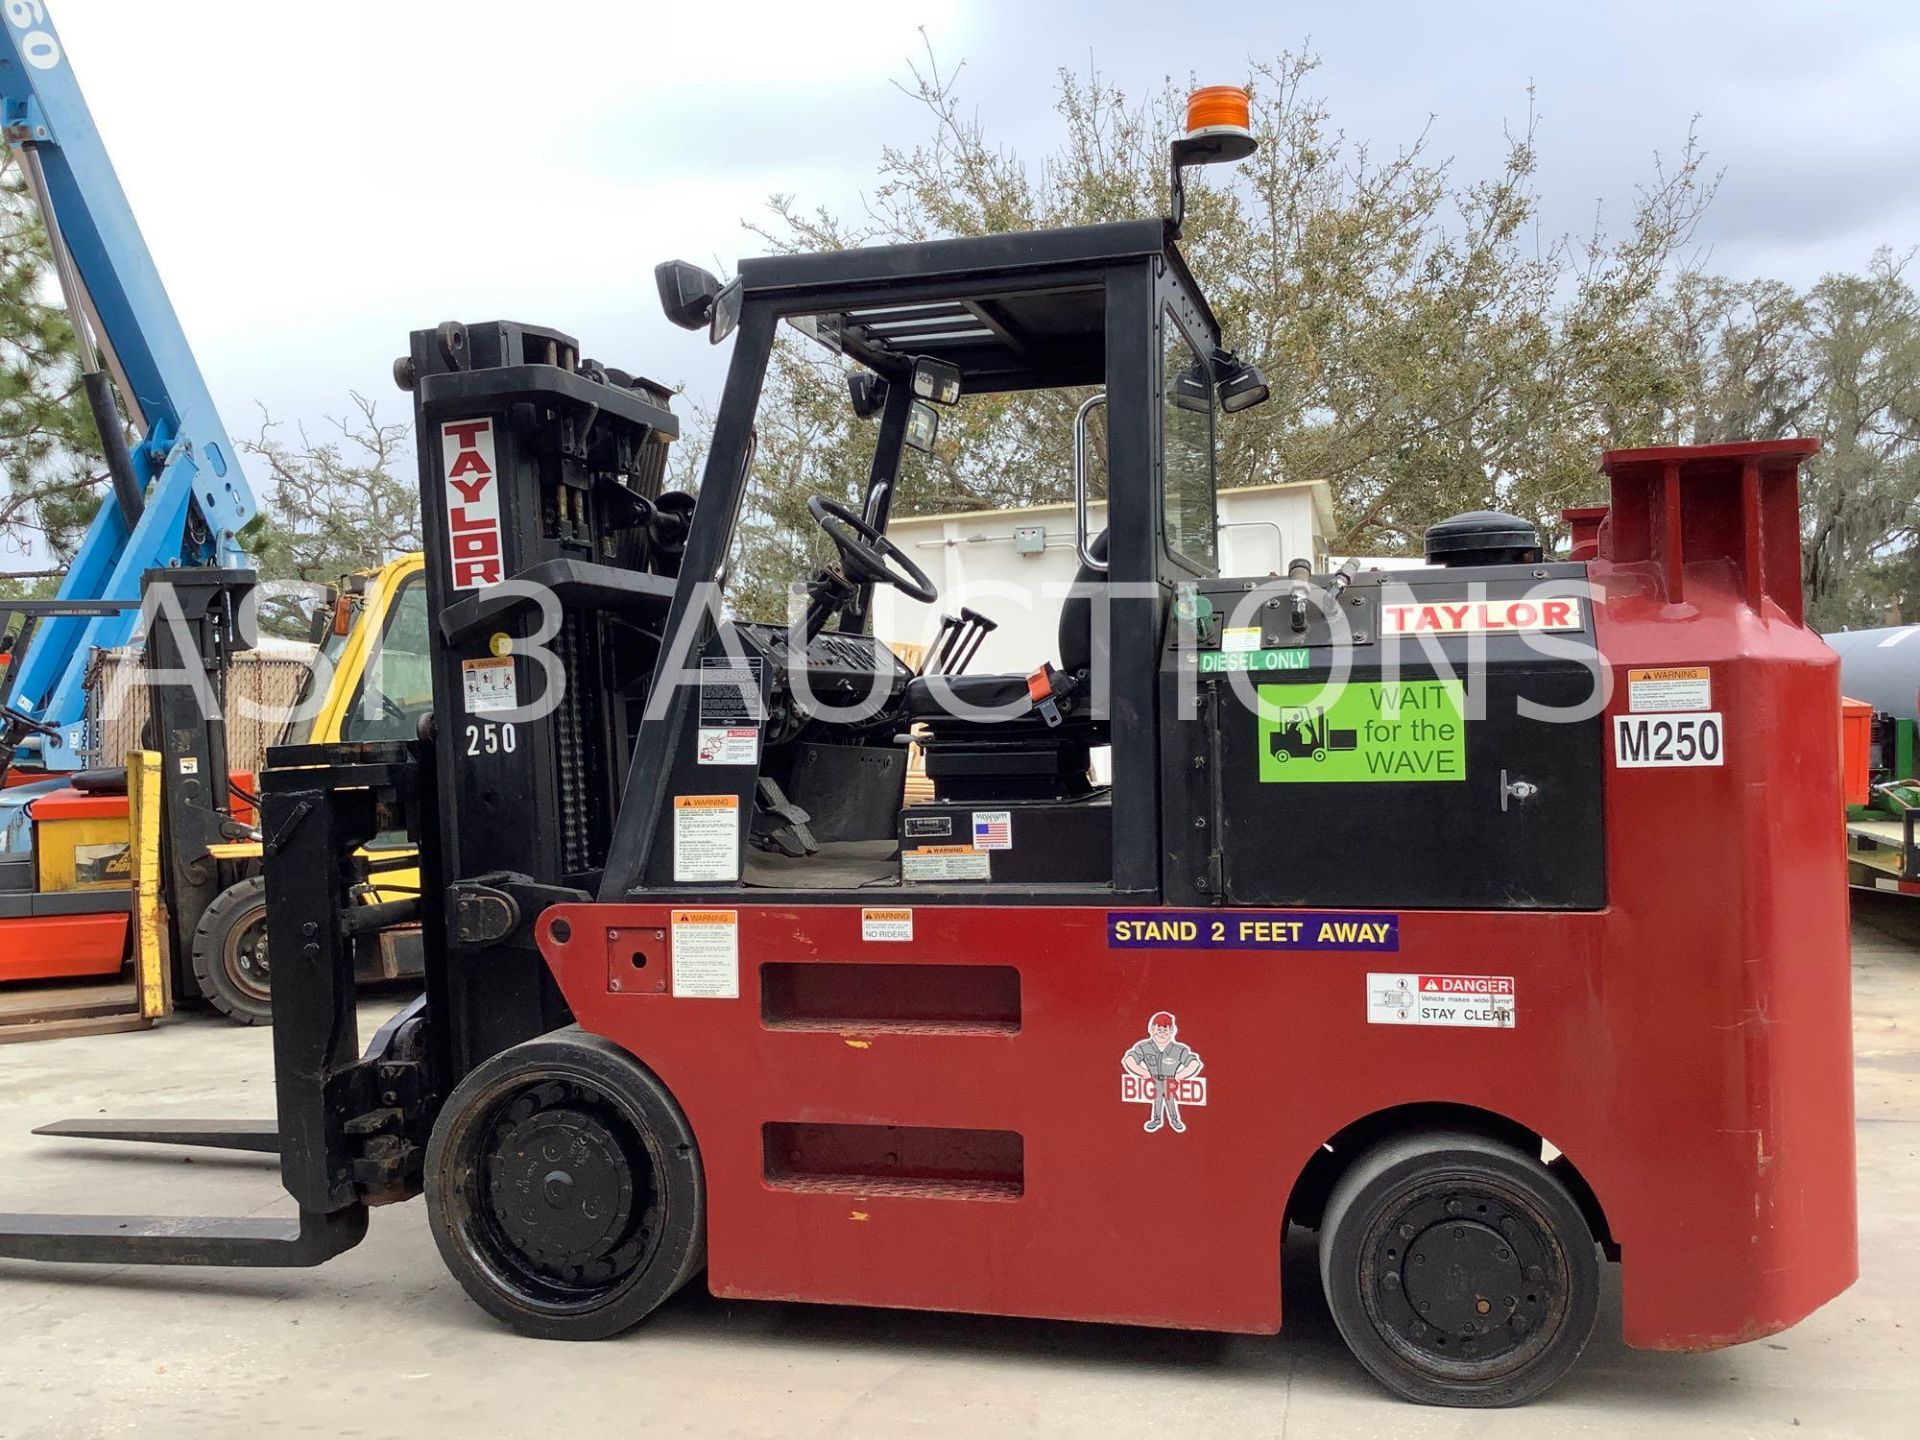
381 1342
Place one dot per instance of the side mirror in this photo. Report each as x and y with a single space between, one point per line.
936 380
923 427
1241 384
868 393
1190 391
687 293
726 311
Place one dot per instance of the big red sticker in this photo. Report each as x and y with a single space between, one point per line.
1477 617
474 548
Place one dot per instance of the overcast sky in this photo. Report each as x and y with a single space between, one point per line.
316 179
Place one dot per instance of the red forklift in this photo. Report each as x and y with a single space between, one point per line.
705 996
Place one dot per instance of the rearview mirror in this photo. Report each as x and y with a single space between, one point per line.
868 393
726 311
1241 384
687 293
923 427
936 380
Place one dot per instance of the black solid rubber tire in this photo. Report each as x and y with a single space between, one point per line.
1376 1182
232 908
453 1178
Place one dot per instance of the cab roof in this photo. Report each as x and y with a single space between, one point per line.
1016 311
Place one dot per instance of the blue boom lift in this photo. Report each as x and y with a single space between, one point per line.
179 494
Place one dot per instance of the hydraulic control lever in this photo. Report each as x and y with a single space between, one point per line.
1299 574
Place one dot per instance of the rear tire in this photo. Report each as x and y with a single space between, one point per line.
564 1188
230 954
1459 1271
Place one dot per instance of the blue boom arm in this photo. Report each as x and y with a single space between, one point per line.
186 497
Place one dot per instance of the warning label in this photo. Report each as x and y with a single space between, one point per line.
730 691
728 745
946 862
1483 1002
706 838
706 954
1396 733
1240 638
1676 687
886 924
488 685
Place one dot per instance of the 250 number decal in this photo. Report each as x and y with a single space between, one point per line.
1640 741
488 738
37 47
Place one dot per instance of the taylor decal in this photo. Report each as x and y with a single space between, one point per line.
1161 1072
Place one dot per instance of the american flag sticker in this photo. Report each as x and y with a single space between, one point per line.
993 830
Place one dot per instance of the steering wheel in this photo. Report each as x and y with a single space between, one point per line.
868 555
19 719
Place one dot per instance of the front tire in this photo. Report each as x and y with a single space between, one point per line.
564 1188
1459 1271
230 954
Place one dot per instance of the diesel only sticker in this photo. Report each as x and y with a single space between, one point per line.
1646 741
1217 662
1415 731
1250 930
1481 1002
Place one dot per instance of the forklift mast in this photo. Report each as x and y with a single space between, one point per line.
551 556
179 493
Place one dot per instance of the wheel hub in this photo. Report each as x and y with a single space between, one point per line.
560 1187
1462 1277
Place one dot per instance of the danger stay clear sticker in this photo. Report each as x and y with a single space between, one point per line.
1483 1002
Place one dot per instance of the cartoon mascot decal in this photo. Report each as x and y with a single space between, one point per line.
1162 1071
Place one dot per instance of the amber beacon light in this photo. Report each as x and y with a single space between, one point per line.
1223 111
1219 129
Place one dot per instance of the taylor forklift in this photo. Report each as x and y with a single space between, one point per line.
706 998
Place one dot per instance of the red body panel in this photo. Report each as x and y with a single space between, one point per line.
1688 1048
60 947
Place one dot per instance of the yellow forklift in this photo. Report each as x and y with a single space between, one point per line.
70 916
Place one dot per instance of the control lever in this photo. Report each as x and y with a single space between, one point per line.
1342 578
979 627
958 642
1300 572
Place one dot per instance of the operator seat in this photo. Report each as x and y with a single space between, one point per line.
1028 754
1077 645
